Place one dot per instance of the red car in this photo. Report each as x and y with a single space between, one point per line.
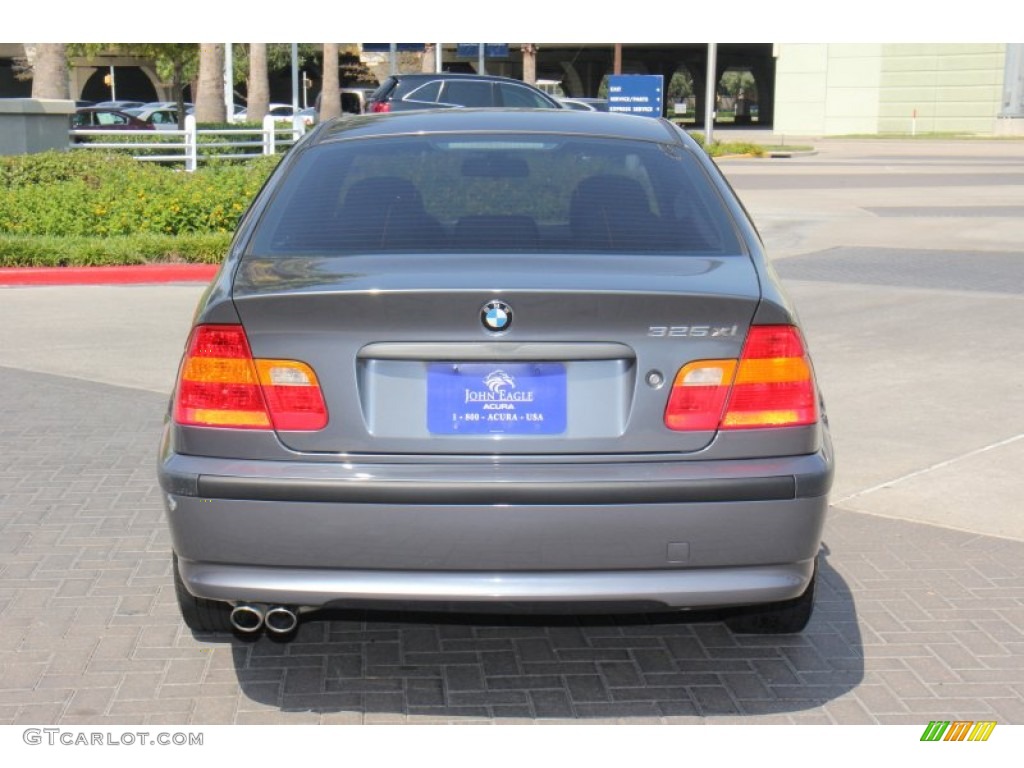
104 119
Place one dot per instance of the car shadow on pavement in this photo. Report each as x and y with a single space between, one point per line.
439 667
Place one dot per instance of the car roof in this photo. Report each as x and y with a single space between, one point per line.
556 121
118 110
457 76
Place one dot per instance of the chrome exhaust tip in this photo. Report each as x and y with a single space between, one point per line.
247 618
281 619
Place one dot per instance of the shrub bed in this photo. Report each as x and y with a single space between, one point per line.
82 208
52 251
719 148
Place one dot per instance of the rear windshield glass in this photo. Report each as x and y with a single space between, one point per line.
495 193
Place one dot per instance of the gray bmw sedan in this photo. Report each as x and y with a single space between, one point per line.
516 360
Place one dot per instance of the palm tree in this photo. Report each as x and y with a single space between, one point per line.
529 63
259 82
427 63
330 96
50 71
210 93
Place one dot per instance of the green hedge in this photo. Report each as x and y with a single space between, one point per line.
80 194
718 148
82 208
52 251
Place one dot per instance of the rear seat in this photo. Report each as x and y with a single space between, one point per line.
489 232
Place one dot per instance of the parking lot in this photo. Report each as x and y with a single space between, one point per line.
905 261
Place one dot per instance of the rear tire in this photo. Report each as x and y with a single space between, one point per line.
200 615
782 618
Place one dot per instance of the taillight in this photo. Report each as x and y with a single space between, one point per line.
381 106
293 395
221 385
698 395
774 386
771 385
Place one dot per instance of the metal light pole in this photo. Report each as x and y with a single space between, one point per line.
481 68
438 57
229 82
709 94
295 77
1013 81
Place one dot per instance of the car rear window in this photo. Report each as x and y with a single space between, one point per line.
521 96
427 93
467 93
454 193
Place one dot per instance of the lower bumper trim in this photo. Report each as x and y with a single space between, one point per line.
683 588
619 492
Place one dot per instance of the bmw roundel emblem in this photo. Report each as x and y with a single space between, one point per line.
496 316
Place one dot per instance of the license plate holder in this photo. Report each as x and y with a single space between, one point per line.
496 398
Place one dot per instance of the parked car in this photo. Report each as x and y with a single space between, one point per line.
585 104
100 118
353 100
168 105
161 118
400 93
282 113
120 104
514 359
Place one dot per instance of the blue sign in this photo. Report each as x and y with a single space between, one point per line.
472 50
400 47
636 94
496 398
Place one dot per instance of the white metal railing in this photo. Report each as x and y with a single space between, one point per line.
185 146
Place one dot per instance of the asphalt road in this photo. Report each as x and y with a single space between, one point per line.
906 261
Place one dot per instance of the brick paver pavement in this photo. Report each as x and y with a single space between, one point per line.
913 622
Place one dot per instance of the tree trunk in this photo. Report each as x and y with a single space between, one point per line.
330 96
50 72
210 97
178 89
427 65
259 82
529 63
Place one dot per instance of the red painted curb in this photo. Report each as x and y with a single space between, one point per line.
142 273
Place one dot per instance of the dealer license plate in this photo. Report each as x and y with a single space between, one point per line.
496 398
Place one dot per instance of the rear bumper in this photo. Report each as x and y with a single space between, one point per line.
701 588
672 533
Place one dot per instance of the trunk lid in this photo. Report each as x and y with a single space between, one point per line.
407 365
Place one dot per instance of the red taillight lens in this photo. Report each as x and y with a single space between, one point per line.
293 395
217 386
381 106
698 395
221 385
774 385
770 386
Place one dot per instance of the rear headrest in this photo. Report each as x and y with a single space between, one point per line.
610 210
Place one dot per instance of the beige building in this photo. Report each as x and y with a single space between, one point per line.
839 89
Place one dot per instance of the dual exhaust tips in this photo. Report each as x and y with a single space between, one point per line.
248 618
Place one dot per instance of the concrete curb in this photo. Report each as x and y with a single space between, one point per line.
120 275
